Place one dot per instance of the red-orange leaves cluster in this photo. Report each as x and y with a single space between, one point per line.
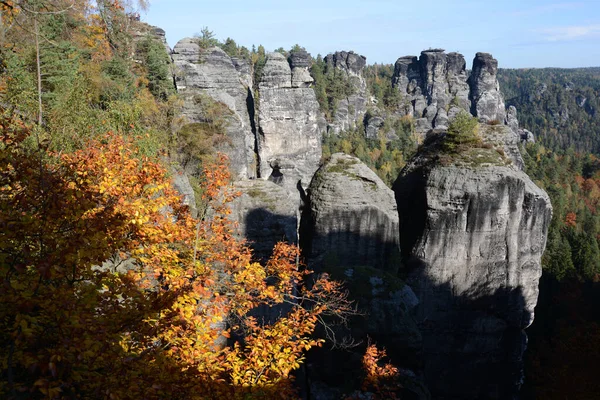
381 377
111 290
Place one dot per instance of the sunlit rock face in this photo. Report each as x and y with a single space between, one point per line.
351 109
227 81
433 88
289 125
486 100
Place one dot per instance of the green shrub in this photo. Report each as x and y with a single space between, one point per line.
462 134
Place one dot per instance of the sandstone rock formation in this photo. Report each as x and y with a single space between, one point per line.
433 87
351 228
487 103
353 217
300 62
524 135
350 110
289 129
472 238
211 72
265 214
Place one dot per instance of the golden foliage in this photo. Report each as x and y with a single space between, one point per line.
112 290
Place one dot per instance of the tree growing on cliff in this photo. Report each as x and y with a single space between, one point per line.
462 133
111 289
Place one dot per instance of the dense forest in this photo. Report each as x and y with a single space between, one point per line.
560 107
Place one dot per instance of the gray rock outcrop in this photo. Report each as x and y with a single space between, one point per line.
432 87
435 87
353 217
523 135
472 238
289 128
214 74
351 109
487 103
181 183
300 62
265 214
351 227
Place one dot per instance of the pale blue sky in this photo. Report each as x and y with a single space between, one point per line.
519 33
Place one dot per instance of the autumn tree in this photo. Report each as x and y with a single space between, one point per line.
112 290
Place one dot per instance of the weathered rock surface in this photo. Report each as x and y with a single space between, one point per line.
353 217
487 103
472 240
213 73
300 62
524 135
289 129
351 229
181 183
350 110
372 126
266 214
432 87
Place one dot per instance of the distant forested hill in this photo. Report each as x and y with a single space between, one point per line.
560 106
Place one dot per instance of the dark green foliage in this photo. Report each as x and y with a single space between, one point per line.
233 50
383 156
206 38
560 106
462 134
571 181
331 85
156 60
379 82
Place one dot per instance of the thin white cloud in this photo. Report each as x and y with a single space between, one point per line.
567 33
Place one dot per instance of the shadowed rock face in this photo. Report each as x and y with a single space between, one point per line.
353 216
289 122
225 80
350 110
472 241
300 62
266 214
352 227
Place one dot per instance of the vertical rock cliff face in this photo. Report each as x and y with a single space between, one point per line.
486 100
472 240
353 217
434 87
289 123
211 72
350 110
351 228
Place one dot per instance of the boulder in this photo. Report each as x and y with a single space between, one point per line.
353 217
